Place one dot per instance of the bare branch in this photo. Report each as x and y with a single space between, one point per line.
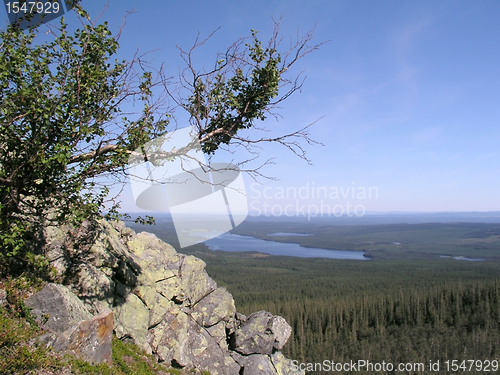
201 93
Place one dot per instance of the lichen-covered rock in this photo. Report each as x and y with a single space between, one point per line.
219 334
196 283
56 248
217 306
131 320
180 340
283 365
258 364
206 354
281 330
158 310
164 301
152 253
169 339
95 288
261 333
170 288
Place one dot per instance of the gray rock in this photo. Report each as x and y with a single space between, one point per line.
158 311
283 365
3 297
125 232
275 364
95 288
196 284
91 339
261 333
207 355
218 333
155 259
281 330
131 320
56 248
169 339
56 308
163 301
170 288
258 364
217 306
178 339
72 328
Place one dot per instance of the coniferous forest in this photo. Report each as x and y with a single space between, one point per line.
338 313
410 311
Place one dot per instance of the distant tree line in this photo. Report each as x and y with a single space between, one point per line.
383 311
392 310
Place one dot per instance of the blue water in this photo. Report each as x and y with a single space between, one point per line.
237 243
462 258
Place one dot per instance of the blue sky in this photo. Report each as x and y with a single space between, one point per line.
408 93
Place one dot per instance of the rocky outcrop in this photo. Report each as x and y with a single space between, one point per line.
261 333
165 302
72 329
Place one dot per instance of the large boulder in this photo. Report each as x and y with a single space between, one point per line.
165 302
283 366
72 329
57 308
258 364
261 333
91 339
216 307
274 364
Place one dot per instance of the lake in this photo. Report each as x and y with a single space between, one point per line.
462 258
238 243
